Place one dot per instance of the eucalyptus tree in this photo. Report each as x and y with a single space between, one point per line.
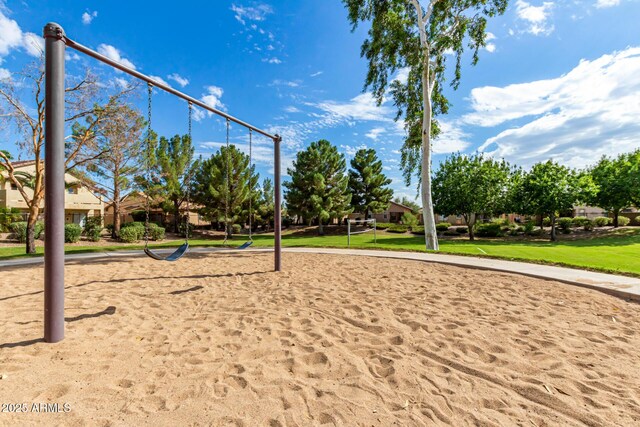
419 35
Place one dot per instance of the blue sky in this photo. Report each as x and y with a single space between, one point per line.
559 79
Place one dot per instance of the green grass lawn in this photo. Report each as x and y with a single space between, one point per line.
617 254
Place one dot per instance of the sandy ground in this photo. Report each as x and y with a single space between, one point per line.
221 340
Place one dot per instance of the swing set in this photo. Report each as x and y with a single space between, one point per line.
55 43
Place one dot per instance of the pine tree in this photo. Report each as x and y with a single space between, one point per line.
367 183
223 184
174 162
318 189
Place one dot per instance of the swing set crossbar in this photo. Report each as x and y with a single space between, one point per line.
92 53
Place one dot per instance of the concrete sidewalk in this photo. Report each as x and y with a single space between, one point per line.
621 286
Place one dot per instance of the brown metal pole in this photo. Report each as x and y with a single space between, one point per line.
54 184
277 217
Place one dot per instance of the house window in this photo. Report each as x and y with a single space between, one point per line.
13 186
385 215
72 190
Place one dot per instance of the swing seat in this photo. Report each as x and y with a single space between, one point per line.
171 257
245 245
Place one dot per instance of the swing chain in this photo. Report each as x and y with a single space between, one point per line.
188 181
148 164
251 183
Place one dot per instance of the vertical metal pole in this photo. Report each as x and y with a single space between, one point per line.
348 233
375 239
54 184
277 217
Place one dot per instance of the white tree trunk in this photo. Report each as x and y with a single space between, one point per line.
428 216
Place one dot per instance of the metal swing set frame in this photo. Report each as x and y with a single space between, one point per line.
55 43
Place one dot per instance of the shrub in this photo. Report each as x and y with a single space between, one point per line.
490 229
418 229
109 228
588 225
450 233
546 222
443 226
182 229
129 234
565 224
235 229
409 219
579 221
528 227
19 230
623 221
93 228
72 233
601 221
383 225
398 228
155 232
7 217
462 230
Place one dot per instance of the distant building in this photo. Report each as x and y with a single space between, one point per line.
392 214
81 199
137 202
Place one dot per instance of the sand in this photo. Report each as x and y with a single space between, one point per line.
332 340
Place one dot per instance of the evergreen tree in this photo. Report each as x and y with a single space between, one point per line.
223 185
265 209
318 189
174 163
367 183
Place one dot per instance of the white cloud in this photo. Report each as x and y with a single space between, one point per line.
182 81
289 83
159 80
10 35
375 133
4 74
535 17
292 109
362 107
255 13
601 4
87 17
115 55
316 74
490 47
351 151
273 60
212 98
451 139
402 75
575 118
33 44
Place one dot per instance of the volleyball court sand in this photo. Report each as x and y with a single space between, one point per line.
221 340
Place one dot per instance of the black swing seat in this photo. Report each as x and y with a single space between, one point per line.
171 257
245 245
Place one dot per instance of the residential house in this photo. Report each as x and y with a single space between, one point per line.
81 199
393 213
137 202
